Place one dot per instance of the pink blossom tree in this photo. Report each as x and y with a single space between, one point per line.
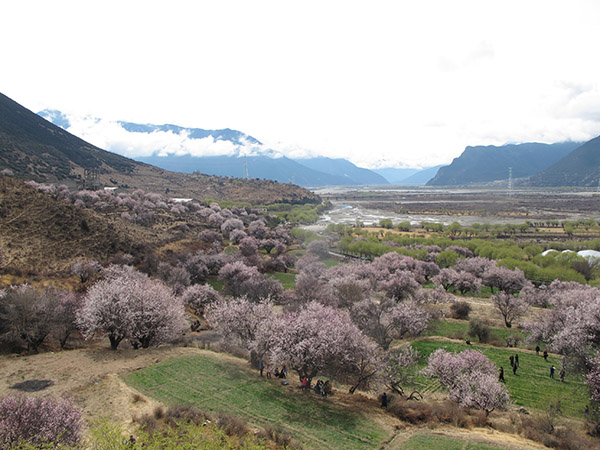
400 285
481 391
470 377
230 225
39 422
199 296
240 321
467 282
447 367
69 304
475 266
505 280
446 278
318 248
127 304
387 320
248 246
242 280
510 307
314 340
86 269
400 369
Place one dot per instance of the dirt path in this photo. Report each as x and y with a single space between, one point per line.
90 376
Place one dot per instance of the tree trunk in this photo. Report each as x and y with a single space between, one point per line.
114 341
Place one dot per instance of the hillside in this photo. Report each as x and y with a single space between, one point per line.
34 148
41 233
485 164
581 167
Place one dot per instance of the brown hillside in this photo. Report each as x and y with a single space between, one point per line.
43 234
34 148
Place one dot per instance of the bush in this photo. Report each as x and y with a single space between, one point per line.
446 412
232 426
39 421
460 310
480 330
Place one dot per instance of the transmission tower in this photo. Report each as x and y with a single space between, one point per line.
510 184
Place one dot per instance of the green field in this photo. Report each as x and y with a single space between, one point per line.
532 387
455 328
440 442
287 280
215 384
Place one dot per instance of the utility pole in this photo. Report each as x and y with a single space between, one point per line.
245 166
510 182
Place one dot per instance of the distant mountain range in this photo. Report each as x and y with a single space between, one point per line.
581 167
485 164
231 153
245 154
34 148
408 176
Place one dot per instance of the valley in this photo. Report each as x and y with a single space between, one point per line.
465 206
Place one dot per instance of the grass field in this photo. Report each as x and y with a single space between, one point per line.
440 442
212 383
455 328
287 280
532 387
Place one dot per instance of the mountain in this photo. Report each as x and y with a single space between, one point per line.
222 152
581 167
34 148
394 175
422 176
485 164
281 169
342 167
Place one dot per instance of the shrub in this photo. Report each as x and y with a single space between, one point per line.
233 426
460 310
480 330
39 421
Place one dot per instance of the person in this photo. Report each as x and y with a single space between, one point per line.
318 386
537 349
514 367
276 373
552 369
512 360
562 374
501 376
325 389
468 341
304 383
284 372
545 355
269 370
261 367
384 400
517 359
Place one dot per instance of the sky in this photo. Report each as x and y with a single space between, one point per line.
381 83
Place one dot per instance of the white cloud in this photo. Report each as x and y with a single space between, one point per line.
409 83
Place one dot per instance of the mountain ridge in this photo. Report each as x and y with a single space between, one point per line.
34 148
485 164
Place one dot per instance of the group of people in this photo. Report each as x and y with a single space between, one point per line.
270 372
514 363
